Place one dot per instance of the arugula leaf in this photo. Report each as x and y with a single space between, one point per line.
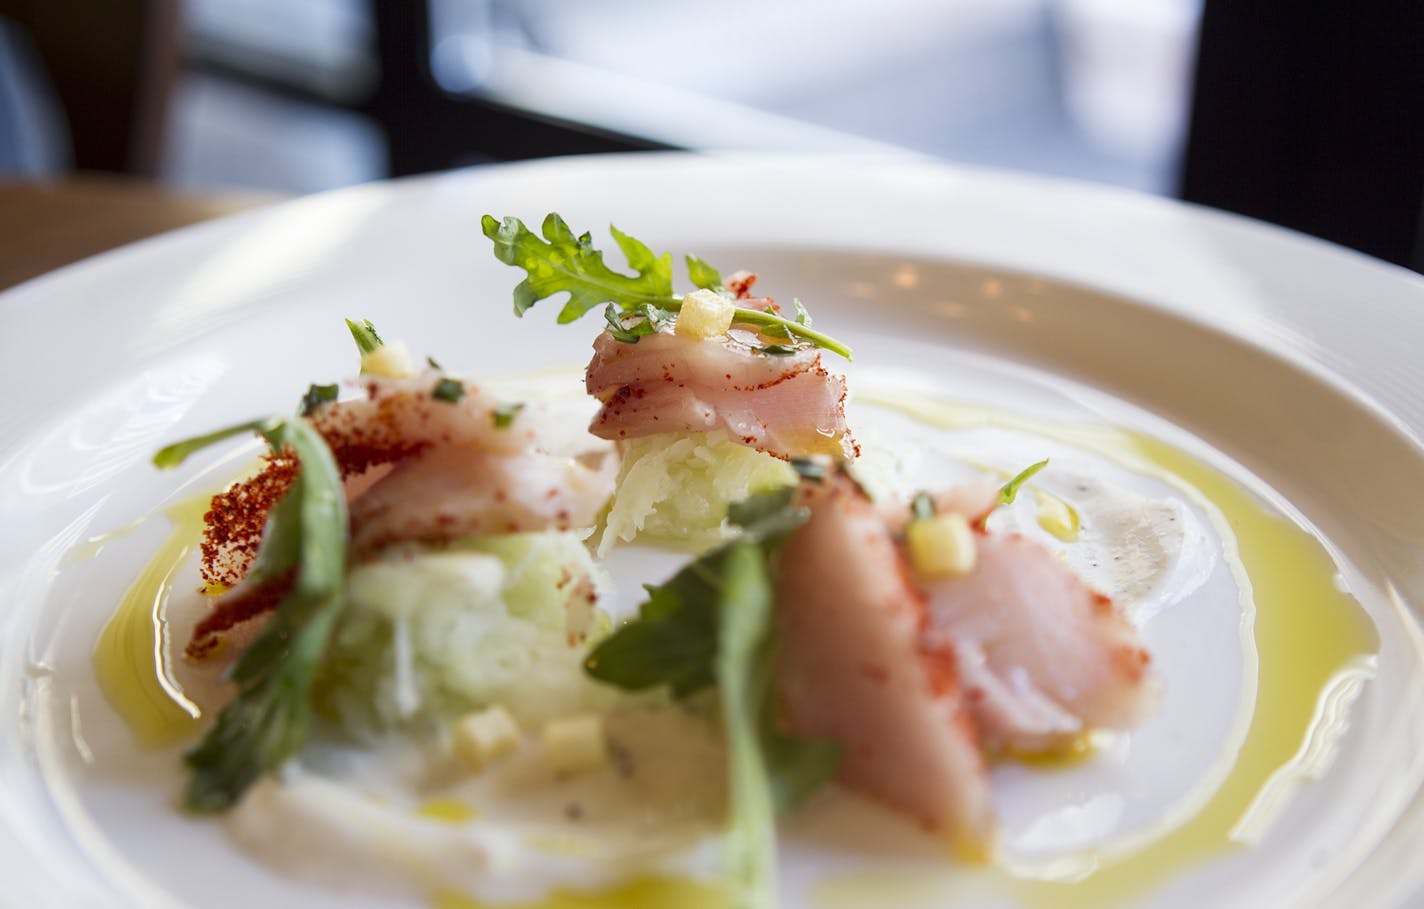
563 262
270 719
673 641
364 334
712 623
703 275
1010 490
743 671
570 263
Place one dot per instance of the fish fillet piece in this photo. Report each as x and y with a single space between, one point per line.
853 666
393 420
397 418
454 491
787 406
1042 656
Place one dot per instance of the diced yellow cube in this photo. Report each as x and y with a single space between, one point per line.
705 314
391 360
576 743
1057 517
485 735
942 545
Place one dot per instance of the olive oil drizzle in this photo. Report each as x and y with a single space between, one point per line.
1315 649
131 656
640 893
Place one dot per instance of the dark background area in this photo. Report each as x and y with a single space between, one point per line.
1304 114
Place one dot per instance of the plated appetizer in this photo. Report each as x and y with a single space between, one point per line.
409 608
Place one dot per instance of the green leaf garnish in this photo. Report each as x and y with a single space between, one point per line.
1010 490
803 318
809 469
431 362
448 390
563 262
712 623
316 396
647 320
270 719
178 452
743 670
570 263
504 414
364 333
922 507
777 350
703 275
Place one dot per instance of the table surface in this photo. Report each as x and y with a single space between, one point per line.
45 225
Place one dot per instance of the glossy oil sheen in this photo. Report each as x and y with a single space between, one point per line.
641 893
131 655
1315 647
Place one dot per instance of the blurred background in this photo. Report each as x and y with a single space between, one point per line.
1307 114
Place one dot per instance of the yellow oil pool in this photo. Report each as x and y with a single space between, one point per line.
131 657
643 893
1314 646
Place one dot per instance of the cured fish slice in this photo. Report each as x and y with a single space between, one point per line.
400 417
853 666
396 419
1042 656
453 491
785 405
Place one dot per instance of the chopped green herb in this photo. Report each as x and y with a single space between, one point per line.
922 507
775 331
563 262
777 350
712 623
504 414
1010 490
809 469
648 319
364 333
448 390
431 362
316 396
270 719
802 316
781 331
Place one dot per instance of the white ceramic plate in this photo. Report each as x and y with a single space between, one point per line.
1290 363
